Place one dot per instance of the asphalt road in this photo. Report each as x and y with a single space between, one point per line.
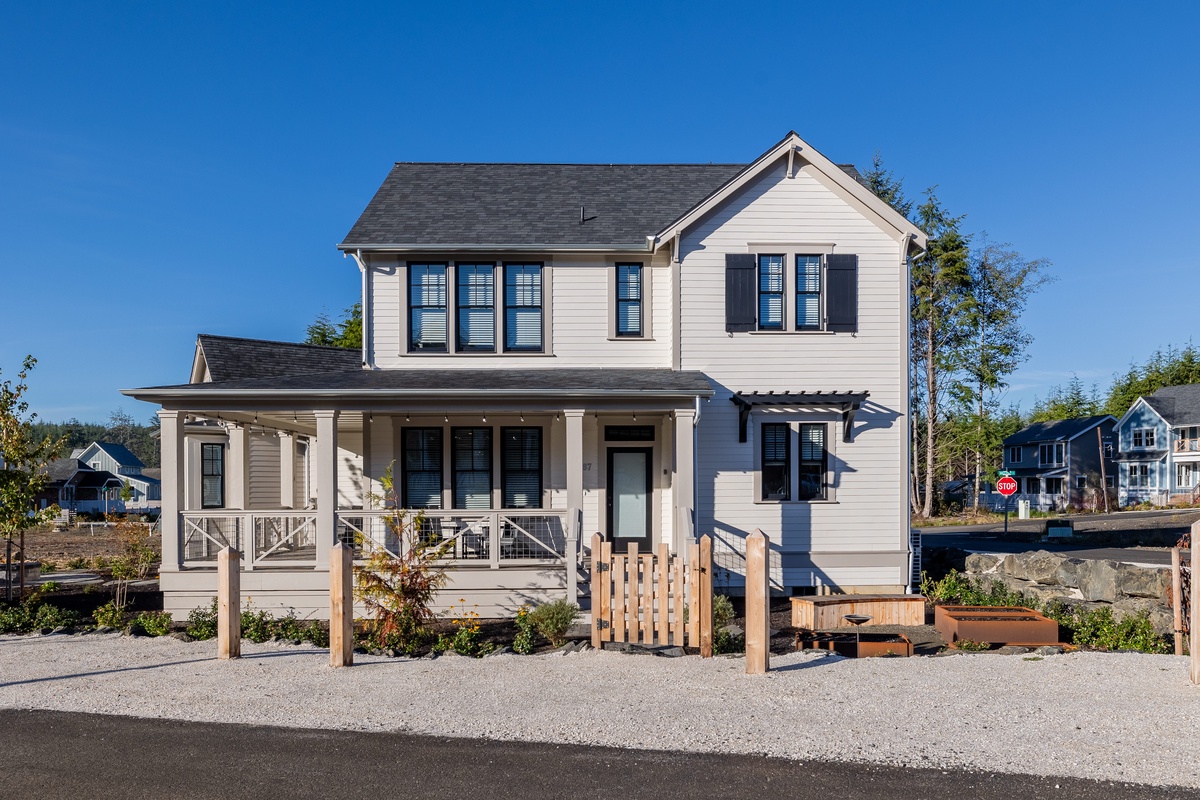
50 755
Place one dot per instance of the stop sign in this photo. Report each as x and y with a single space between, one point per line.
1007 486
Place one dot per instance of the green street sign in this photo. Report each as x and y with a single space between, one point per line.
1006 473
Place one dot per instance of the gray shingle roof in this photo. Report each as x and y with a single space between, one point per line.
1178 405
62 469
120 453
1058 430
230 358
431 204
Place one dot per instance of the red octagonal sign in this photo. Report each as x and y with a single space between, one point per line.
1007 486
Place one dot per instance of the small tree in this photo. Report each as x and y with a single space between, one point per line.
398 589
126 491
23 460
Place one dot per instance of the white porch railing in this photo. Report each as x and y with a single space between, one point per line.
265 538
485 537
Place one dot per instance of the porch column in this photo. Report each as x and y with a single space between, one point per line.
326 463
171 438
574 419
238 468
683 485
287 470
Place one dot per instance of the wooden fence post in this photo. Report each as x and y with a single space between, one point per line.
596 590
758 605
1194 622
229 603
341 606
1177 598
693 595
706 597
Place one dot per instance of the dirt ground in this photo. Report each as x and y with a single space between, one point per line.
60 547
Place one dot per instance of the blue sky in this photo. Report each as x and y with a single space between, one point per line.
169 169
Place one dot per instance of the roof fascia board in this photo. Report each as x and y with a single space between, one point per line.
1095 424
199 364
415 247
884 214
150 394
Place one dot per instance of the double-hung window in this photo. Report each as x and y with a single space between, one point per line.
1139 476
521 467
1143 437
629 300
1050 455
776 472
812 462
523 317
427 307
770 292
471 455
808 293
476 307
1015 454
212 475
422 464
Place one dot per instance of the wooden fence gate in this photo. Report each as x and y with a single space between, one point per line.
652 598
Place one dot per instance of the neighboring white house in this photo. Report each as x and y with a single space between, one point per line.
120 461
648 351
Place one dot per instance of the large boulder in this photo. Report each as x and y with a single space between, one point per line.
1099 581
1150 582
1161 617
1068 572
979 563
1039 566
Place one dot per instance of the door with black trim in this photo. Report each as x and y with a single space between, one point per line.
629 497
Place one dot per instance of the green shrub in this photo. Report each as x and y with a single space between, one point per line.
202 621
524 640
722 614
972 646
154 623
256 625
317 634
553 619
14 619
78 563
110 615
48 567
48 616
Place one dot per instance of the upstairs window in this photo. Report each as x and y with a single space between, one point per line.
812 462
422 464
629 300
212 476
1143 437
808 293
1015 454
523 318
1051 454
476 307
472 465
770 293
427 307
776 476
521 467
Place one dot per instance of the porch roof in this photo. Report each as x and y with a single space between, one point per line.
375 384
1147 456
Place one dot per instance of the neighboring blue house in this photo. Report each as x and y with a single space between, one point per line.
1159 447
120 461
1063 462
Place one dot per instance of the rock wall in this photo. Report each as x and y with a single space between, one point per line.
1125 588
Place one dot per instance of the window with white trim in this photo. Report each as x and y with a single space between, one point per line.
1054 485
1143 438
1080 481
770 293
808 293
1186 475
1051 455
212 475
812 462
476 307
427 313
630 305
776 467
1139 476
1014 454
523 311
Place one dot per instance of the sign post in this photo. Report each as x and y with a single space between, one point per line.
1007 487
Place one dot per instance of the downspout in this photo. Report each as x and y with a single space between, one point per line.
366 305
906 311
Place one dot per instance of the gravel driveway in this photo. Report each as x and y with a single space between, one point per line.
1123 716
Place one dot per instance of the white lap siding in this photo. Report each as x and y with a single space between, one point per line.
869 516
263 483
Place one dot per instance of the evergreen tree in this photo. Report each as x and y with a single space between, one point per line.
347 332
1169 367
1067 402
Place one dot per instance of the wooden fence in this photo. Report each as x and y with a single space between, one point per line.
652 598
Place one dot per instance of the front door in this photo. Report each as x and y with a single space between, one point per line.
629 496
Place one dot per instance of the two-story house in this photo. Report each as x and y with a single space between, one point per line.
648 351
1159 447
120 461
1063 462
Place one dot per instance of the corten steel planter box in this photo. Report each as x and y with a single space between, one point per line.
867 645
995 625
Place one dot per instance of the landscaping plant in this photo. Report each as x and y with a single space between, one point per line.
725 641
524 640
398 590
465 639
553 619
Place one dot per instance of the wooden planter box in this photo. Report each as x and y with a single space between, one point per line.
825 612
866 645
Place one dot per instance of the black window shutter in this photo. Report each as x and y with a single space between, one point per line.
841 292
741 291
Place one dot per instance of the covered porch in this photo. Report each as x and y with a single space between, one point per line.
513 482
